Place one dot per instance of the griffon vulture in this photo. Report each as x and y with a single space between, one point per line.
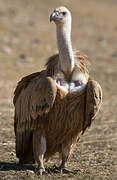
54 107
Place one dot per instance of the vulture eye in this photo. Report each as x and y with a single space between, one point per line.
64 13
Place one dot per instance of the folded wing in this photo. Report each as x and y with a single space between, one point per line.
34 97
93 102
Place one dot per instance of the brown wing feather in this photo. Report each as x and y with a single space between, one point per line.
93 102
65 120
52 64
71 115
43 93
24 83
34 96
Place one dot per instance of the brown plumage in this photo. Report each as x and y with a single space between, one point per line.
50 119
34 97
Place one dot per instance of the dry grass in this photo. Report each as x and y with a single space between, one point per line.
26 40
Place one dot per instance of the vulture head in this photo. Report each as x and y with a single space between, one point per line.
61 16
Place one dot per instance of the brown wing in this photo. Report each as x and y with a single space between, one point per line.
34 97
24 83
93 102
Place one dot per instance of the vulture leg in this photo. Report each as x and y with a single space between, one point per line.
39 149
66 151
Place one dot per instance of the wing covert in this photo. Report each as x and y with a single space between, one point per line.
93 102
42 96
34 100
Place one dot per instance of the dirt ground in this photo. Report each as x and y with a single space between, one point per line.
27 39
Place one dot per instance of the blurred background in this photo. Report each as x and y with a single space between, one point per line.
27 39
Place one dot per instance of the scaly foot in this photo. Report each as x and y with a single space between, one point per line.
61 169
40 171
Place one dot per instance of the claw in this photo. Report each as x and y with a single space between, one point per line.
66 171
63 170
40 171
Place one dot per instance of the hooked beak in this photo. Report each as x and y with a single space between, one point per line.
53 16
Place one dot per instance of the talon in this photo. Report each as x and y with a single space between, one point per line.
41 171
66 171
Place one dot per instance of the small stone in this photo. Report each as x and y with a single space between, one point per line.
22 56
30 172
7 49
114 54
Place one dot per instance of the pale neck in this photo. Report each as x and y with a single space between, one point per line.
66 57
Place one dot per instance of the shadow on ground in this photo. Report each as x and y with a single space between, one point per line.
5 166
